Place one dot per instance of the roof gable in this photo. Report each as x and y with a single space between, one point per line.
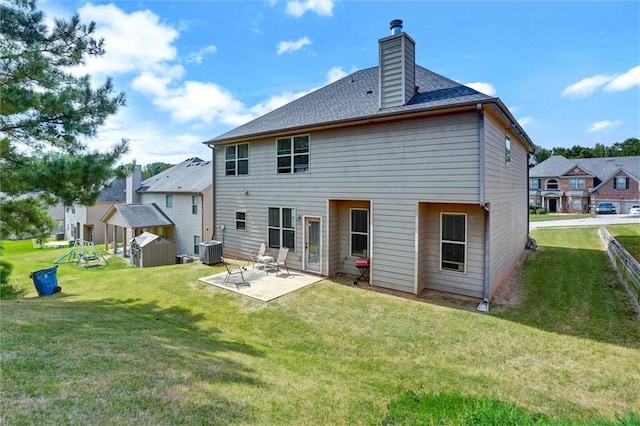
136 216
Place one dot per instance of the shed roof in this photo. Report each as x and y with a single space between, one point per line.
191 176
146 238
355 97
136 216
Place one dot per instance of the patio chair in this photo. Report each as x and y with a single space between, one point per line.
281 260
260 256
233 269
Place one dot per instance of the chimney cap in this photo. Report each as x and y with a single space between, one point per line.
396 26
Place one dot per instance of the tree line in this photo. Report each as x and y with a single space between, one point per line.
629 148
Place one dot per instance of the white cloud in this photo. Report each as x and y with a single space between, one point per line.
586 86
292 46
320 7
486 88
525 121
196 101
601 125
335 74
625 81
133 42
198 56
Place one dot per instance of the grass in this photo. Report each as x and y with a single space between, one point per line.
563 216
156 346
629 236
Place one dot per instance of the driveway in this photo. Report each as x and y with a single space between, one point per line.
609 219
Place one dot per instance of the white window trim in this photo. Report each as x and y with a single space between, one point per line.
281 228
507 150
194 203
466 239
236 220
368 254
196 246
293 154
236 159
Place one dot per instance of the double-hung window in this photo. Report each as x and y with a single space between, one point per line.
507 151
576 183
359 232
168 201
282 230
621 182
237 159
194 204
293 154
453 242
196 244
534 183
241 220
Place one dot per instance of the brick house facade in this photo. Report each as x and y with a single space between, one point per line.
560 185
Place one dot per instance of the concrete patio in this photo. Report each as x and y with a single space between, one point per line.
262 284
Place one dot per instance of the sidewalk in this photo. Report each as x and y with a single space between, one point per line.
612 219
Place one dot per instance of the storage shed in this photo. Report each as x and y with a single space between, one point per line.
149 250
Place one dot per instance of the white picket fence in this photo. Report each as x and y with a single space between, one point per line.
628 267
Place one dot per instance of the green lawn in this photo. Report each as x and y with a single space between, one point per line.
156 346
629 236
554 216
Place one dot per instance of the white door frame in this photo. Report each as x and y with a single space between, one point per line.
305 235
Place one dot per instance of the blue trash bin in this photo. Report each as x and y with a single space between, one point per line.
46 281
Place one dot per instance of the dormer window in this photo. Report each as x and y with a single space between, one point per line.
552 184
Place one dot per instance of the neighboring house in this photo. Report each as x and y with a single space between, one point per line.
83 222
576 186
424 176
183 198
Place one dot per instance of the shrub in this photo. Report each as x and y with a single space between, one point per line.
541 211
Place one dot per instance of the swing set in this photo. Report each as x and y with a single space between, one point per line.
84 254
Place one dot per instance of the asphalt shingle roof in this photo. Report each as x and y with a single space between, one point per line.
143 215
356 97
602 168
191 176
114 191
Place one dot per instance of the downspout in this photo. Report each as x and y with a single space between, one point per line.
484 305
213 189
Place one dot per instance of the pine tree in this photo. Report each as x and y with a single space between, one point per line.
47 114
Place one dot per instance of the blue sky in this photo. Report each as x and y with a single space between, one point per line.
568 71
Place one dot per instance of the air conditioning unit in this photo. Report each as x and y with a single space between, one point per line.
211 252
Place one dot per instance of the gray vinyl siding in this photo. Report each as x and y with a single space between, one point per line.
397 71
506 190
391 166
187 224
470 283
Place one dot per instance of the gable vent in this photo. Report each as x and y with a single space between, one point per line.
397 67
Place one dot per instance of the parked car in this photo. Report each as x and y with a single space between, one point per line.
605 208
635 209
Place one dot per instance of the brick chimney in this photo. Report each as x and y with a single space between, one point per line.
397 68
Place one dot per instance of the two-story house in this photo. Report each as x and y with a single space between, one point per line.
176 204
82 222
422 175
562 185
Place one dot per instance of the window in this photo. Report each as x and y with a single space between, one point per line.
576 183
453 241
359 232
73 210
237 159
534 183
507 150
293 154
196 244
168 201
194 204
282 231
552 184
241 220
621 182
